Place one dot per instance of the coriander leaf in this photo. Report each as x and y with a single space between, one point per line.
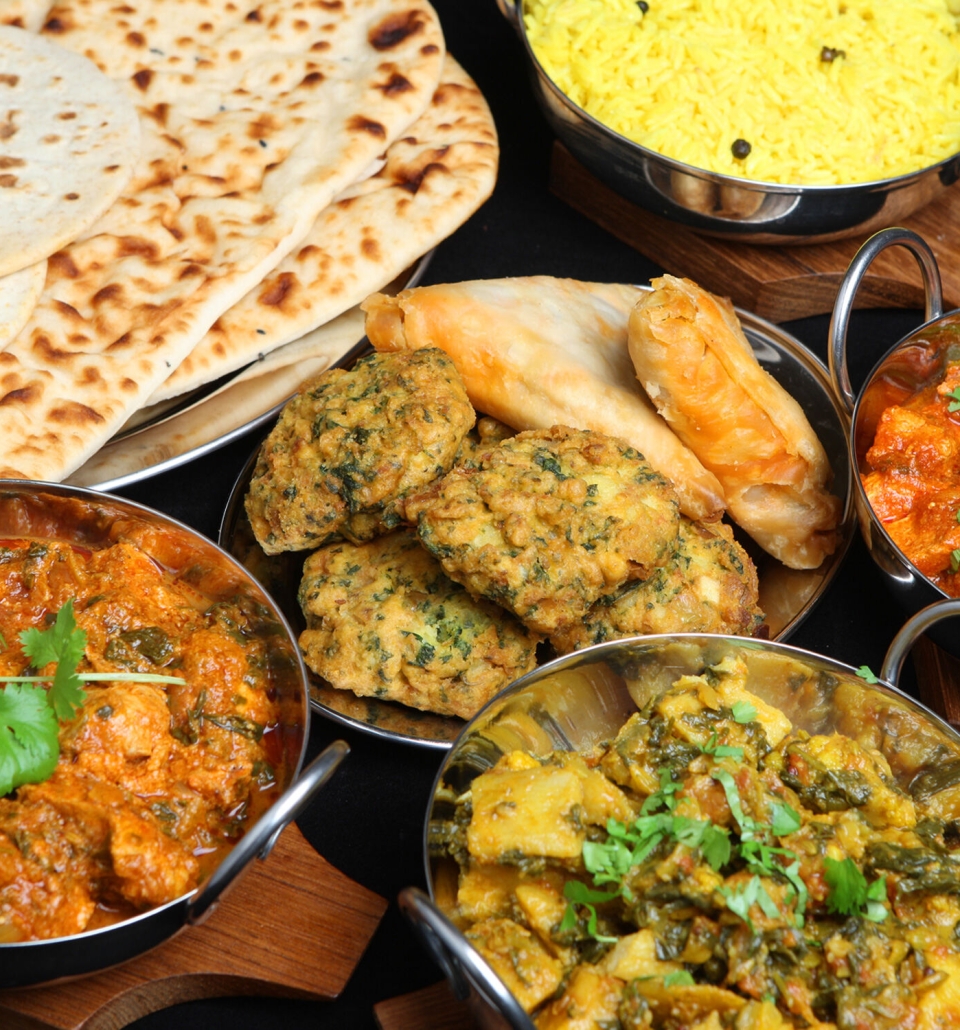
786 819
767 905
715 847
579 893
64 644
662 798
955 560
954 404
865 673
29 745
678 978
740 899
850 895
721 750
609 862
744 712
746 824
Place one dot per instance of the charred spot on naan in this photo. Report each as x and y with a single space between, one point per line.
351 444
548 521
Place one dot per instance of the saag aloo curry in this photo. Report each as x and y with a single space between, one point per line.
713 866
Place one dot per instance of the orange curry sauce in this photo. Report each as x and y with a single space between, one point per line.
914 480
155 780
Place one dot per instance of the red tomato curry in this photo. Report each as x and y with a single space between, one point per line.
914 480
154 781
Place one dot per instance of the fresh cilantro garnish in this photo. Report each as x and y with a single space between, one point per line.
30 712
954 404
850 894
786 819
63 643
744 712
866 674
955 560
740 900
721 750
754 848
29 747
678 978
580 894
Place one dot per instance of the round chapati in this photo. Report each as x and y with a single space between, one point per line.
69 139
19 293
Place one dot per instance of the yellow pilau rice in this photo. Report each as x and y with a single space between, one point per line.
688 78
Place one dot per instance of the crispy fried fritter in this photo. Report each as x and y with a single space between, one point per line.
384 621
351 444
548 522
487 433
708 586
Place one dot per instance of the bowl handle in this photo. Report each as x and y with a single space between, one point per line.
508 8
258 842
843 305
911 631
460 962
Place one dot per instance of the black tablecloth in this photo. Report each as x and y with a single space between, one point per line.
369 820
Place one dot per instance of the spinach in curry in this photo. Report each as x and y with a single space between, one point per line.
716 868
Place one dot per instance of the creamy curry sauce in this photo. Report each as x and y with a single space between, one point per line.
155 781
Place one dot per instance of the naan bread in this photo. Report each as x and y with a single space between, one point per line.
536 352
441 170
69 139
694 361
19 293
252 121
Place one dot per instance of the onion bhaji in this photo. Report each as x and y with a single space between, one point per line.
383 620
709 585
548 522
351 444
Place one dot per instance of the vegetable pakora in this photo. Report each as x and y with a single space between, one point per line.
549 521
351 444
383 620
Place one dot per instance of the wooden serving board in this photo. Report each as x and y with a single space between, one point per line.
777 283
293 926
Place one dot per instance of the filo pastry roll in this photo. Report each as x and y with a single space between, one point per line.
694 361
536 352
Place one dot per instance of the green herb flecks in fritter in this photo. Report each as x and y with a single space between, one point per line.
383 620
349 446
549 521
709 585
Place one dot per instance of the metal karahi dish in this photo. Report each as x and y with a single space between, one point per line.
913 361
87 521
725 205
580 703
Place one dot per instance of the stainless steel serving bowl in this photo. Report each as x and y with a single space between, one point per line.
582 699
911 362
89 519
724 205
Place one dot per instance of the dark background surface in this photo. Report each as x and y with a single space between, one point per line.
368 821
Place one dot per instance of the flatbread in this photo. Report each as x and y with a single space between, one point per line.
441 170
69 139
252 122
19 293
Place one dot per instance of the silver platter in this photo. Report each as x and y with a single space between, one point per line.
786 595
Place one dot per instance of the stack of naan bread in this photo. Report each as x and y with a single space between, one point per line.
189 190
